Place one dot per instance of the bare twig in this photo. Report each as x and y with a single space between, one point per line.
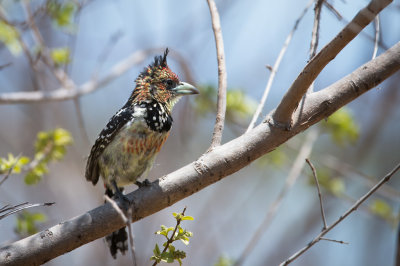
283 113
5 65
334 240
319 193
171 239
294 173
377 32
315 30
10 170
127 221
7 210
274 69
222 77
342 217
63 93
333 10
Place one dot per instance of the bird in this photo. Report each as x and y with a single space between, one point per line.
126 148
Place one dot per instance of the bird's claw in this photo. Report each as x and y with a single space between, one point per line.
145 183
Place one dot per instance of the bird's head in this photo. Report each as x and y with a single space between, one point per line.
158 82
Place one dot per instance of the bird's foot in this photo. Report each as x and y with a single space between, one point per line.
123 202
145 183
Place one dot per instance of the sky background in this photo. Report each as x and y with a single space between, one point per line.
227 213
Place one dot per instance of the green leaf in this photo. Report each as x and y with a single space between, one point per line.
27 222
342 127
187 218
275 158
157 250
61 13
224 261
9 36
32 178
238 105
381 208
60 56
12 162
337 186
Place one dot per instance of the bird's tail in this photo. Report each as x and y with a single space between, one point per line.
117 240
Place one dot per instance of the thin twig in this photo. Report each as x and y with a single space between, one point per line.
294 173
127 221
62 93
333 10
377 32
319 193
171 239
334 240
17 208
315 30
222 77
342 217
10 170
274 69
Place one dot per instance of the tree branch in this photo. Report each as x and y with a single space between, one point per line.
342 217
222 78
63 94
222 161
321 205
289 103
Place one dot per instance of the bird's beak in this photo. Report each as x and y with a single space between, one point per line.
185 89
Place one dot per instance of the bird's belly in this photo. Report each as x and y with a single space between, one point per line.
131 154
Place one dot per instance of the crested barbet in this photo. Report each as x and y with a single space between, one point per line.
126 148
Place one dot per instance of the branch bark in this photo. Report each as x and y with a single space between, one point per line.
289 103
222 79
208 169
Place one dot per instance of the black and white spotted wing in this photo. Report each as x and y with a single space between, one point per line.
113 126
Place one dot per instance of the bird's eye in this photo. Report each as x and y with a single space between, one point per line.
169 82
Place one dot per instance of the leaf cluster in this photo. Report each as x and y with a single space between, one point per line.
342 127
27 222
170 253
49 146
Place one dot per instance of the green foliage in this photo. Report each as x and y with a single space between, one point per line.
238 105
342 127
60 56
49 146
334 185
27 223
224 261
170 254
276 158
61 12
16 163
9 36
382 209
